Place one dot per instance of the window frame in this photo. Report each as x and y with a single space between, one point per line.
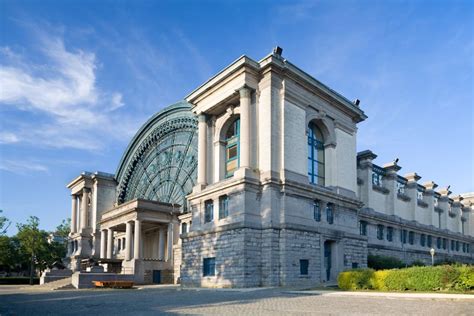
316 166
209 267
380 229
223 206
304 267
317 210
330 213
229 143
208 211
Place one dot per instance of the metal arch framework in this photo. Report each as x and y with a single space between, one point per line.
160 162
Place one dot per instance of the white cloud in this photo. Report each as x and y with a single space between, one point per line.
65 90
8 138
22 167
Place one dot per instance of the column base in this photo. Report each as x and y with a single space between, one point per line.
199 187
245 172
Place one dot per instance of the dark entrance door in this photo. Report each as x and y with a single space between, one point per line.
157 276
327 259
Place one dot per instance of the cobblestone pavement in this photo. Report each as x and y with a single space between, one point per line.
174 301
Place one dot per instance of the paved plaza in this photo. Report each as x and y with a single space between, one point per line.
176 301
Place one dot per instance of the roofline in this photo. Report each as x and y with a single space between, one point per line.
284 64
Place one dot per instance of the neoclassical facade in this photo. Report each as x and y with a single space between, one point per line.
255 180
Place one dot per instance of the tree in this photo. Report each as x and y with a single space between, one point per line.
63 229
32 241
4 224
8 253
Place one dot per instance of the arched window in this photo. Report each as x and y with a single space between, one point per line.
315 155
232 148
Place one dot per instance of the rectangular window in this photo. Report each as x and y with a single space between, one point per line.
380 232
363 228
457 245
223 206
411 238
445 242
184 228
317 211
304 264
429 241
403 236
208 211
463 247
453 245
330 213
209 267
390 233
422 240
355 265
438 242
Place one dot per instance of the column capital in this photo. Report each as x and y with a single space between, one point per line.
202 117
245 91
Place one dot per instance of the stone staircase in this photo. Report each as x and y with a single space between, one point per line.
61 284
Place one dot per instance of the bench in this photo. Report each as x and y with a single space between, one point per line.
114 284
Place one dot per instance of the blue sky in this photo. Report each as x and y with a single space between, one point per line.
78 78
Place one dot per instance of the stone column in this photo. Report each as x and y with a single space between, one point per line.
169 239
110 243
103 243
137 240
244 127
84 209
411 190
365 173
74 214
202 150
128 241
390 182
161 248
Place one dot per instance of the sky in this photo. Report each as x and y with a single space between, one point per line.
78 78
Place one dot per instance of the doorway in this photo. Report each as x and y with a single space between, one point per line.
157 276
328 259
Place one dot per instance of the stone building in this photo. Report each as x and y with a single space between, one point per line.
254 180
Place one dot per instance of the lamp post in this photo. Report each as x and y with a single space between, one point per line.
432 252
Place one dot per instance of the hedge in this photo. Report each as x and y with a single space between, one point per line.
18 280
438 278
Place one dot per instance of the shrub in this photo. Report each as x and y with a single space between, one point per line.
358 279
377 262
438 278
18 280
417 263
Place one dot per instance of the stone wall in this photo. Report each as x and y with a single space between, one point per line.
294 246
355 253
409 255
247 257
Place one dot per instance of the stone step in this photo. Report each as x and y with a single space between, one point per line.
55 285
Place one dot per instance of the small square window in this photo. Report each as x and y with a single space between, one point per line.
209 267
304 264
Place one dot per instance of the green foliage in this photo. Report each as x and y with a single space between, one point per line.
63 229
438 278
417 263
4 224
355 279
377 262
8 252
